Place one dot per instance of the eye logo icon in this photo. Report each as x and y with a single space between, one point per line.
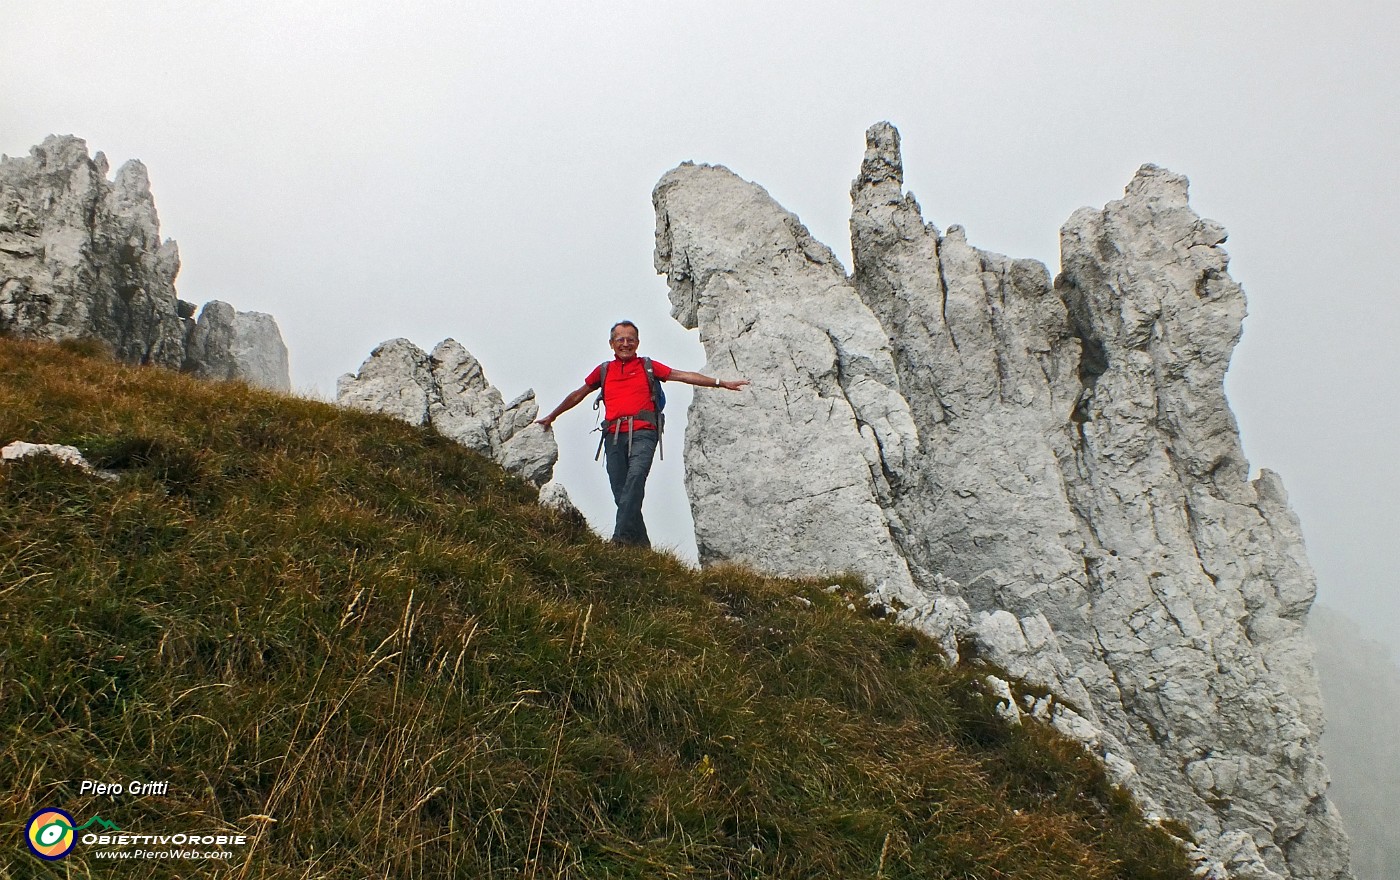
50 834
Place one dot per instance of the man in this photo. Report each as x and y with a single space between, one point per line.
630 428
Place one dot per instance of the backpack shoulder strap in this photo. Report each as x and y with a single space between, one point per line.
658 403
658 397
602 381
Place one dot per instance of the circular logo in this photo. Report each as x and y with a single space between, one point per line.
50 834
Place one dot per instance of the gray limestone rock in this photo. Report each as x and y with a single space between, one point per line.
554 495
526 448
68 454
823 411
247 346
396 380
1196 576
448 390
1058 456
82 257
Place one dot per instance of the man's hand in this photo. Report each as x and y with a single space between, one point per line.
569 403
733 384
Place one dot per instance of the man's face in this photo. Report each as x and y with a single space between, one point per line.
624 343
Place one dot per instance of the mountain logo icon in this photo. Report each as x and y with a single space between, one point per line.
51 832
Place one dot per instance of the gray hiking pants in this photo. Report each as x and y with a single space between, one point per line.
629 463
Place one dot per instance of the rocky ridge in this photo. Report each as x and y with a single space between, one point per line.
1048 465
81 257
448 390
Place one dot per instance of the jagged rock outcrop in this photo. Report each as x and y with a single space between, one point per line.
228 344
82 257
824 409
448 390
1058 455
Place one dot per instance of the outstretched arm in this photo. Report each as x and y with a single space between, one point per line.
703 381
575 397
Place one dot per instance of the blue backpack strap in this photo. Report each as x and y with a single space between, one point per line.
658 403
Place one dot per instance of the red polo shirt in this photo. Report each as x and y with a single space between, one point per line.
626 392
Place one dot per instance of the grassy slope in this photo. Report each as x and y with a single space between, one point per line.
371 650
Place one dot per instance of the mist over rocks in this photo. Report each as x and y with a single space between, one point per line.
81 257
1361 689
448 390
1058 455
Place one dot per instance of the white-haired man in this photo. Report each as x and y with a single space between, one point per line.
632 421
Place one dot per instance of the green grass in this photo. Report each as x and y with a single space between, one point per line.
371 651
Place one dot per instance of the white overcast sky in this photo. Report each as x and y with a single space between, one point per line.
366 170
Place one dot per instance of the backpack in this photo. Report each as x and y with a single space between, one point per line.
655 415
